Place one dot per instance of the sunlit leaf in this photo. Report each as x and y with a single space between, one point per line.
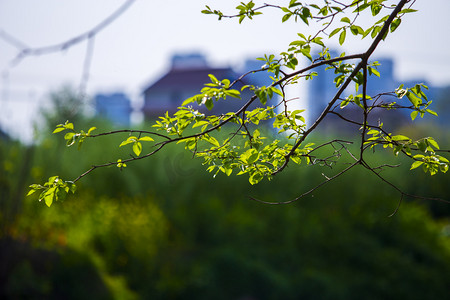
137 148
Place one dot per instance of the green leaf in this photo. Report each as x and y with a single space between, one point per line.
68 125
335 31
250 156
69 136
90 130
431 112
72 186
422 145
200 123
209 103
60 194
32 191
356 30
253 157
366 33
400 138
190 100
318 41
342 37
395 24
345 20
213 78
255 178
276 91
375 31
416 164
442 159
59 129
146 139
233 93
137 148
375 8
49 195
433 143
212 140
407 10
413 99
374 71
130 140
286 17
361 7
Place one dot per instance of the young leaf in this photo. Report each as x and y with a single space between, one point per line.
233 93
395 24
416 164
137 148
146 139
90 130
413 99
342 37
255 178
335 31
59 129
130 140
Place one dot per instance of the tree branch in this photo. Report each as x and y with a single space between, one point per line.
30 51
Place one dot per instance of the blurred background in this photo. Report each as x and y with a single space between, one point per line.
164 228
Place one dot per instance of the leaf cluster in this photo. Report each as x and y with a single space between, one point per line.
53 190
71 135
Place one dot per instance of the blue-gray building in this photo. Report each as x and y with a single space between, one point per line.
322 89
186 77
114 107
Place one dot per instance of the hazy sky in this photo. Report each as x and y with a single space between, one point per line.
137 47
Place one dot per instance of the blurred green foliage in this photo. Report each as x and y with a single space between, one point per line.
165 229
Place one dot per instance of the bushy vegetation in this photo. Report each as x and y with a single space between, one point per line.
165 229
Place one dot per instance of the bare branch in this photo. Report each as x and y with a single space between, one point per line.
129 131
12 40
398 206
87 65
399 190
328 179
30 51
133 158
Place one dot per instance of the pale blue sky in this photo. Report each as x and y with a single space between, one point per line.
136 49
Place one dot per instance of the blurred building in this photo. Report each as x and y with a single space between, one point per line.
188 74
322 89
114 107
186 77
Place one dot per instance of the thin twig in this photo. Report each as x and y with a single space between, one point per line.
87 66
129 131
30 51
328 179
398 206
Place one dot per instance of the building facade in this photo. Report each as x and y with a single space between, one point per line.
187 76
114 107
